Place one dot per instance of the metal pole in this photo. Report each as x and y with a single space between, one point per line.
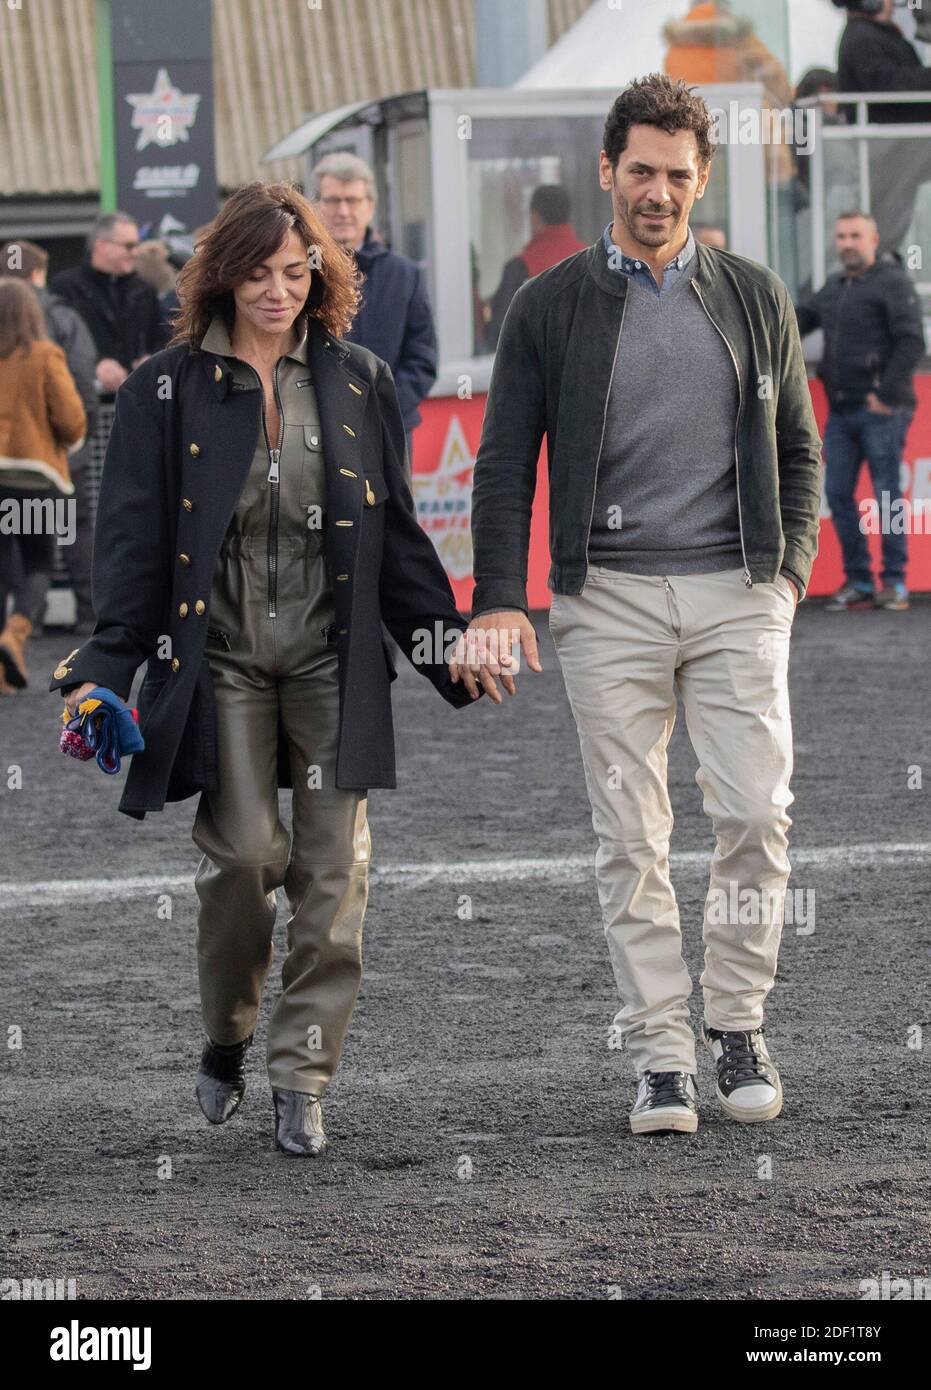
818 237
863 154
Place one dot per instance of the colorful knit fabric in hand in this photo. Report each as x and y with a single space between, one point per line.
103 728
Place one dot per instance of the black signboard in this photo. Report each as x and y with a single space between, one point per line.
163 115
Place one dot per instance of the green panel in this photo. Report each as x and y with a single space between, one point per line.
104 47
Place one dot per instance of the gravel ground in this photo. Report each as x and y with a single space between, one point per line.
479 1119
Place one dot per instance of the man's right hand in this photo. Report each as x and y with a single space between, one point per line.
74 697
491 645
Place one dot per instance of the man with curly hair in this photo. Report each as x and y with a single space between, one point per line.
684 458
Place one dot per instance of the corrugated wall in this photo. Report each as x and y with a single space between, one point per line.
276 62
48 98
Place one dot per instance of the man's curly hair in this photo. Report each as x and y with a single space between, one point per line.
657 100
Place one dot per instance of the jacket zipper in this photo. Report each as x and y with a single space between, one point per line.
604 422
274 459
740 407
840 304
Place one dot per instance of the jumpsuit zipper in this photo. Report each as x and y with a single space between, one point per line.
604 422
274 458
740 405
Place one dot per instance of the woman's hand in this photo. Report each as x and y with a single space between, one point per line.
490 647
74 697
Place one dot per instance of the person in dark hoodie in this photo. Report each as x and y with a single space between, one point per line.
552 239
875 56
395 320
117 305
25 260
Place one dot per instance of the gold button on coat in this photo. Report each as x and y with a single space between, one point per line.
185 559
200 607
195 451
183 610
218 373
175 664
187 504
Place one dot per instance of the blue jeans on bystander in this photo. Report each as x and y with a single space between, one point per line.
851 436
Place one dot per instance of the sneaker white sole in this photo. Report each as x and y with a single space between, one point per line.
742 1114
751 1117
669 1118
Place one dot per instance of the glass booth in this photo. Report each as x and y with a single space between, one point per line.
456 169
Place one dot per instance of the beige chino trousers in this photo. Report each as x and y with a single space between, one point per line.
628 645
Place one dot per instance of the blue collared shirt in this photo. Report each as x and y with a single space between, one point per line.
641 272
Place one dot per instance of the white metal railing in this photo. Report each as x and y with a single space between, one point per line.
863 131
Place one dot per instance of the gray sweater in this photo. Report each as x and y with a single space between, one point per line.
666 490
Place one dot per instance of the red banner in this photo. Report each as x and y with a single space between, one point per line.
445 445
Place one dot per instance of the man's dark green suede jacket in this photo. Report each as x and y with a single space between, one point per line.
551 377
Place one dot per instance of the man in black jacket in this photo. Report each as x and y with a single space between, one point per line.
684 484
875 56
117 305
873 339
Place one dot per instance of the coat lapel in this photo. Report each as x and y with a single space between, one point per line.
350 451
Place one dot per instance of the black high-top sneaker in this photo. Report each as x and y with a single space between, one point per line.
666 1100
748 1086
299 1124
221 1080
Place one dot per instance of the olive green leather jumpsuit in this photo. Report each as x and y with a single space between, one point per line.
270 601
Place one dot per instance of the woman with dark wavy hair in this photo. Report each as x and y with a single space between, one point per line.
254 530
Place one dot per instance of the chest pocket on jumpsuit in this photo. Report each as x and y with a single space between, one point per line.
312 495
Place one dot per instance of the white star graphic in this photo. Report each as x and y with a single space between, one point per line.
163 116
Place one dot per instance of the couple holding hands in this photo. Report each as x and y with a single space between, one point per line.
256 533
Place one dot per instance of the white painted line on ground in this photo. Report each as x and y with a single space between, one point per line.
572 868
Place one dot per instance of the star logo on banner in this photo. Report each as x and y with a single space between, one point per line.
444 502
163 116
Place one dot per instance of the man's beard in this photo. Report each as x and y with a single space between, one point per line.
649 233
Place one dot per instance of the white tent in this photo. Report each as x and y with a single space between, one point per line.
612 44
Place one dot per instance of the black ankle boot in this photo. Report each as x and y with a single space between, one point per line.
221 1080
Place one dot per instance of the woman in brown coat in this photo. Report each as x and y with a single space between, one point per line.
41 420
